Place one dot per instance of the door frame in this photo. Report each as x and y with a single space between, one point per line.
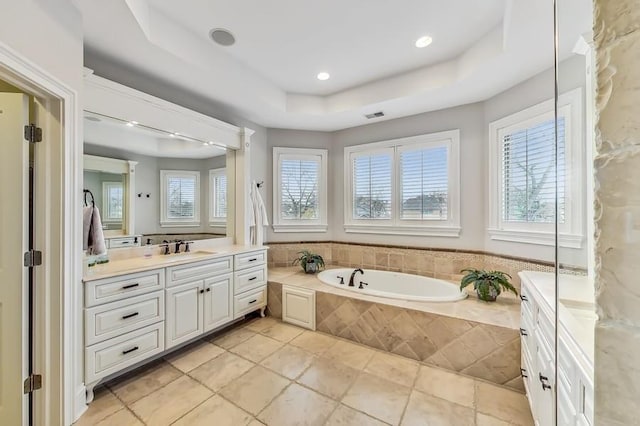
59 330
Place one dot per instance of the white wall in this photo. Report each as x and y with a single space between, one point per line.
147 181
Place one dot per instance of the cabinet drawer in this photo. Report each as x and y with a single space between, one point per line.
122 287
113 319
198 270
249 279
113 355
248 260
124 242
249 302
546 327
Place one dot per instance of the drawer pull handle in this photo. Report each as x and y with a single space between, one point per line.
135 348
253 278
130 315
523 373
523 332
126 287
543 381
253 301
253 259
524 298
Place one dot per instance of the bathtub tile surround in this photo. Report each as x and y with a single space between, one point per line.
336 382
617 342
442 264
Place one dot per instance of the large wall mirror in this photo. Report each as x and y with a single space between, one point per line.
154 185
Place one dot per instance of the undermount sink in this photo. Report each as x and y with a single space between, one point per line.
182 256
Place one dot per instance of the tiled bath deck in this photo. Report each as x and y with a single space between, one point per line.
268 372
472 337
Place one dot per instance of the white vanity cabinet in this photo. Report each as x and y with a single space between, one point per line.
574 386
131 318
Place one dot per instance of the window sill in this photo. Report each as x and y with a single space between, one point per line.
295 227
217 224
423 231
179 224
537 237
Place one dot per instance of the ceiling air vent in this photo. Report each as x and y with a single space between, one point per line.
374 115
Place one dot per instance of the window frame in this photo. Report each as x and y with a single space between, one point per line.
216 221
107 218
395 225
570 233
300 225
165 221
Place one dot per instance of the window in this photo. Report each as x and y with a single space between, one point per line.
180 198
218 197
405 186
523 174
300 190
112 200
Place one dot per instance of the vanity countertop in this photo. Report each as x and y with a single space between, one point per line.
576 310
139 263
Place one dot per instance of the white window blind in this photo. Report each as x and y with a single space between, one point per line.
424 178
528 173
180 198
372 181
299 180
218 194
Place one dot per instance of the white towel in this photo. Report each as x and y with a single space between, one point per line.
92 235
258 219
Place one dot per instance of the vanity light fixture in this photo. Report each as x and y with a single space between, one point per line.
322 76
424 41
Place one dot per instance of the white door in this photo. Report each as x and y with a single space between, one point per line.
184 319
14 114
218 301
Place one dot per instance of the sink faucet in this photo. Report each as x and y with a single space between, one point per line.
165 247
353 274
178 244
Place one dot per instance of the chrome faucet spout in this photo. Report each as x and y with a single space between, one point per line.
353 274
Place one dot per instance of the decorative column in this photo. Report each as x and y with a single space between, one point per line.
617 207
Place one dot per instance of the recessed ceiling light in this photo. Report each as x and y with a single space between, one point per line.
173 135
424 41
323 76
222 37
130 124
205 144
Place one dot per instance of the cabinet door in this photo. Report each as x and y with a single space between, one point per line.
299 307
184 313
218 301
546 399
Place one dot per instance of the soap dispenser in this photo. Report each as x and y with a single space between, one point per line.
148 249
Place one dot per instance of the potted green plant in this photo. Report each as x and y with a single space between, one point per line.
487 284
310 262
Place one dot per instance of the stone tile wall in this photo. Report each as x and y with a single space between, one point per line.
435 263
617 198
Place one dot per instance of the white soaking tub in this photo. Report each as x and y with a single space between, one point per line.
394 285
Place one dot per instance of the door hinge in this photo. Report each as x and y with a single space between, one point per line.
32 258
32 133
32 383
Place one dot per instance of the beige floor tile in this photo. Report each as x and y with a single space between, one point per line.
298 406
329 377
345 416
232 338
257 348
446 385
255 423
425 409
484 420
395 368
377 397
282 332
123 417
221 370
171 402
313 342
289 361
134 387
194 356
260 324
255 390
503 403
215 411
104 404
353 355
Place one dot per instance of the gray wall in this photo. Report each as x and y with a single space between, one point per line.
147 181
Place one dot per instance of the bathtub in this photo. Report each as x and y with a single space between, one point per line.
395 285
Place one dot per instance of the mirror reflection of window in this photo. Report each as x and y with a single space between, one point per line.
180 197
113 196
218 196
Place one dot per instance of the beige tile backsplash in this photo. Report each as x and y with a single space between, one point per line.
427 262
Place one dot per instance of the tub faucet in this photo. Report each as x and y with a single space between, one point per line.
353 274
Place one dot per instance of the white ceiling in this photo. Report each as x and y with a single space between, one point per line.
480 48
